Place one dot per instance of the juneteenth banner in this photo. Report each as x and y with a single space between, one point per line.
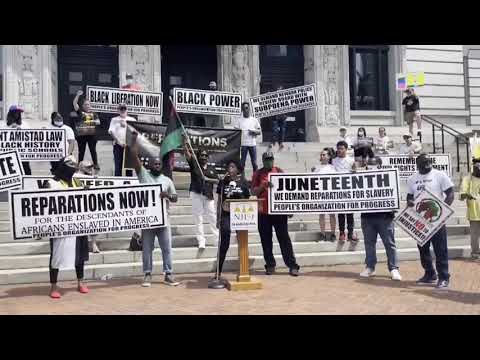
365 192
30 182
34 144
107 100
407 166
425 218
222 145
207 102
11 171
284 101
76 212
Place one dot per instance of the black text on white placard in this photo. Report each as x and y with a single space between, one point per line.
207 102
34 144
11 171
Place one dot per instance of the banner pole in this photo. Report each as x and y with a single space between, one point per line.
186 136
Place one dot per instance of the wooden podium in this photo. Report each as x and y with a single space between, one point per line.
243 215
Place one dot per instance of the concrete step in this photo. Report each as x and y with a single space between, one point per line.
189 240
37 275
183 253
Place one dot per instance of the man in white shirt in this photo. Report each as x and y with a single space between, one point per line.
439 184
118 131
345 164
251 128
410 147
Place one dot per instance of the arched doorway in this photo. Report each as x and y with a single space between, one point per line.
282 65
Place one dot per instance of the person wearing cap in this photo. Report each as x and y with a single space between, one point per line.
118 132
260 187
86 129
57 123
14 121
410 147
86 170
439 184
69 252
411 111
251 128
212 121
130 85
201 192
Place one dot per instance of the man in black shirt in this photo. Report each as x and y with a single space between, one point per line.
411 111
201 193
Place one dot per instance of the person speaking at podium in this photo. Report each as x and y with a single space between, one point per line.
232 186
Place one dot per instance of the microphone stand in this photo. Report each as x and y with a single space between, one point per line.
215 283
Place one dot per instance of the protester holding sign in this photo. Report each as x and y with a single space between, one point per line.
163 234
67 252
86 129
411 111
345 164
232 186
438 183
326 167
260 188
471 193
251 128
118 131
201 192
57 123
410 147
14 121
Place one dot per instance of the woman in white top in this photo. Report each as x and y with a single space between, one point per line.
326 167
382 142
14 121
57 123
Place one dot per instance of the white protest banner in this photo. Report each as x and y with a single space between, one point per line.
11 171
34 144
365 192
243 215
207 102
76 212
31 182
107 100
425 218
406 165
284 101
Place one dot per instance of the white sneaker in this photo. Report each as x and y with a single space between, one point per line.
147 280
396 275
367 273
201 242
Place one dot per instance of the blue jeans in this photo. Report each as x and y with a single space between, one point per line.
440 248
279 127
372 226
253 156
164 236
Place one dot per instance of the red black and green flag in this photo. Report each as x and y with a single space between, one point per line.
173 139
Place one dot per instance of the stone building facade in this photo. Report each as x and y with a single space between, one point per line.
30 77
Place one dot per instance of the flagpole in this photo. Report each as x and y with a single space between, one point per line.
187 137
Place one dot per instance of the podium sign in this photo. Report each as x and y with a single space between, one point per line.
244 215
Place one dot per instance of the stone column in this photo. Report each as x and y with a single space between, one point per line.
224 75
10 80
313 75
49 90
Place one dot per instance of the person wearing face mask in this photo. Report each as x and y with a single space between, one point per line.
14 121
163 234
410 147
382 142
363 146
71 252
118 131
57 123
260 187
130 84
201 192
232 186
439 184
470 191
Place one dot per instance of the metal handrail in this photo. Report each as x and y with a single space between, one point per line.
451 131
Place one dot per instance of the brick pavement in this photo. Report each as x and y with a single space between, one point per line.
320 290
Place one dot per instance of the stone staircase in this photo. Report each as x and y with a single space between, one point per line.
27 261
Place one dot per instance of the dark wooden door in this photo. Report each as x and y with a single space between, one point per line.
187 66
79 66
282 65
